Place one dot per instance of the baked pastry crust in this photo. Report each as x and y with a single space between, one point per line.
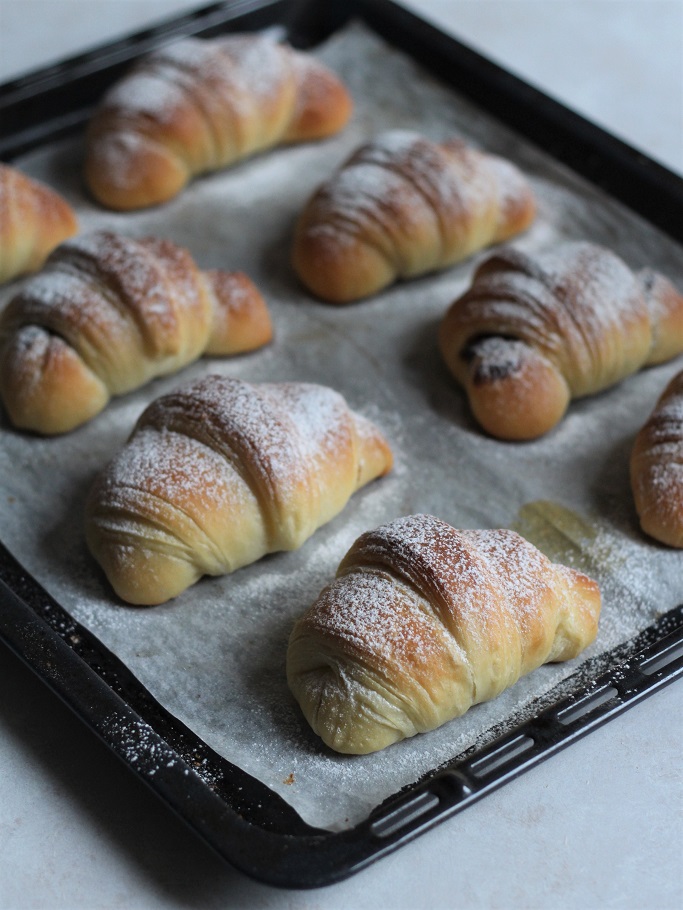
534 331
34 219
403 206
198 105
221 472
657 468
107 314
424 621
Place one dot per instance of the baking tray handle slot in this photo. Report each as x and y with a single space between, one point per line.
587 705
405 815
666 654
501 755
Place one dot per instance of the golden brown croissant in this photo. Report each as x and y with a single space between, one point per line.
424 621
657 468
403 206
221 472
109 313
33 220
199 105
533 332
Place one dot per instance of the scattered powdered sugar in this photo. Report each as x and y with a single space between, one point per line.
171 466
223 444
455 582
140 746
147 93
479 575
53 289
320 415
636 579
363 611
172 75
68 304
24 199
232 96
521 570
118 302
262 65
124 262
665 425
122 269
577 302
215 656
274 428
657 469
499 357
413 199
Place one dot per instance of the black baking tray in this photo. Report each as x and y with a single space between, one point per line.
244 821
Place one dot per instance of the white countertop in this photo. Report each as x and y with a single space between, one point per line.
600 825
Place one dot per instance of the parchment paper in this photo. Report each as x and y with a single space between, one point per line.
215 656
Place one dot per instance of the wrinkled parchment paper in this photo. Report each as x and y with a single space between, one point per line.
215 656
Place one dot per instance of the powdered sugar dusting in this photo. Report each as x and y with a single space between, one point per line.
415 200
522 571
578 303
67 306
320 415
249 418
657 467
237 67
215 657
622 566
128 266
174 468
475 581
195 105
147 93
120 304
365 616
34 219
422 622
222 444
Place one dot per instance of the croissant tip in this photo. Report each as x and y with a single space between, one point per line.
242 320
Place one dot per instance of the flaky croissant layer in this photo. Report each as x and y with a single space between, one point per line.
107 314
657 468
403 206
424 621
534 331
198 105
221 472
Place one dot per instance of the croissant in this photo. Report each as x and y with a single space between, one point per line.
533 332
403 206
33 220
422 622
199 105
109 313
657 468
221 472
